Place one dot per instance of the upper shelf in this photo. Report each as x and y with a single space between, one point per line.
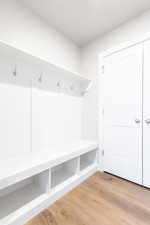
43 70
19 168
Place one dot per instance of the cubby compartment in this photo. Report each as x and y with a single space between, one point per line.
63 172
87 159
19 194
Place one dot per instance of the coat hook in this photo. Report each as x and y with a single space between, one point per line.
15 71
40 79
86 90
83 93
58 84
72 87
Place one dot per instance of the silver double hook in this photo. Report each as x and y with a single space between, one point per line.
15 71
40 79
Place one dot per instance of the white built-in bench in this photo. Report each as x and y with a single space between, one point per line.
30 183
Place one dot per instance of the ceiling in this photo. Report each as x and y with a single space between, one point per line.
84 20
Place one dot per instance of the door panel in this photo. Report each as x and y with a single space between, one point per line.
123 114
146 116
121 158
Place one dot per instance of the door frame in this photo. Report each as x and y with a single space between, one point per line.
101 58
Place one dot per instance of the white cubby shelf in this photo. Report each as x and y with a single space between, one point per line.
17 195
87 159
30 184
63 172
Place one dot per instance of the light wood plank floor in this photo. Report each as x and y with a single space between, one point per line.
101 200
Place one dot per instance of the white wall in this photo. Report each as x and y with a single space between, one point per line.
56 120
35 119
23 29
132 30
59 115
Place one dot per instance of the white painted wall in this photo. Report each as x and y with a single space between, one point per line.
60 116
56 120
25 30
35 119
132 30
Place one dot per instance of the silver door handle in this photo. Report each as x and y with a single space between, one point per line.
147 121
137 121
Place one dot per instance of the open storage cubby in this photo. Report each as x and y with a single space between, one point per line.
24 192
19 194
87 159
63 172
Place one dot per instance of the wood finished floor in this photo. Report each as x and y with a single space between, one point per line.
101 200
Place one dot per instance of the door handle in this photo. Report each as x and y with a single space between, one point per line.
147 121
137 121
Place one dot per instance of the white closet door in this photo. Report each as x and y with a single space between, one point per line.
146 116
123 114
14 120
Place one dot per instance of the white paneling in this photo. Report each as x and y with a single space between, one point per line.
14 120
122 106
56 119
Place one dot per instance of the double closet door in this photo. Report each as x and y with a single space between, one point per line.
127 113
